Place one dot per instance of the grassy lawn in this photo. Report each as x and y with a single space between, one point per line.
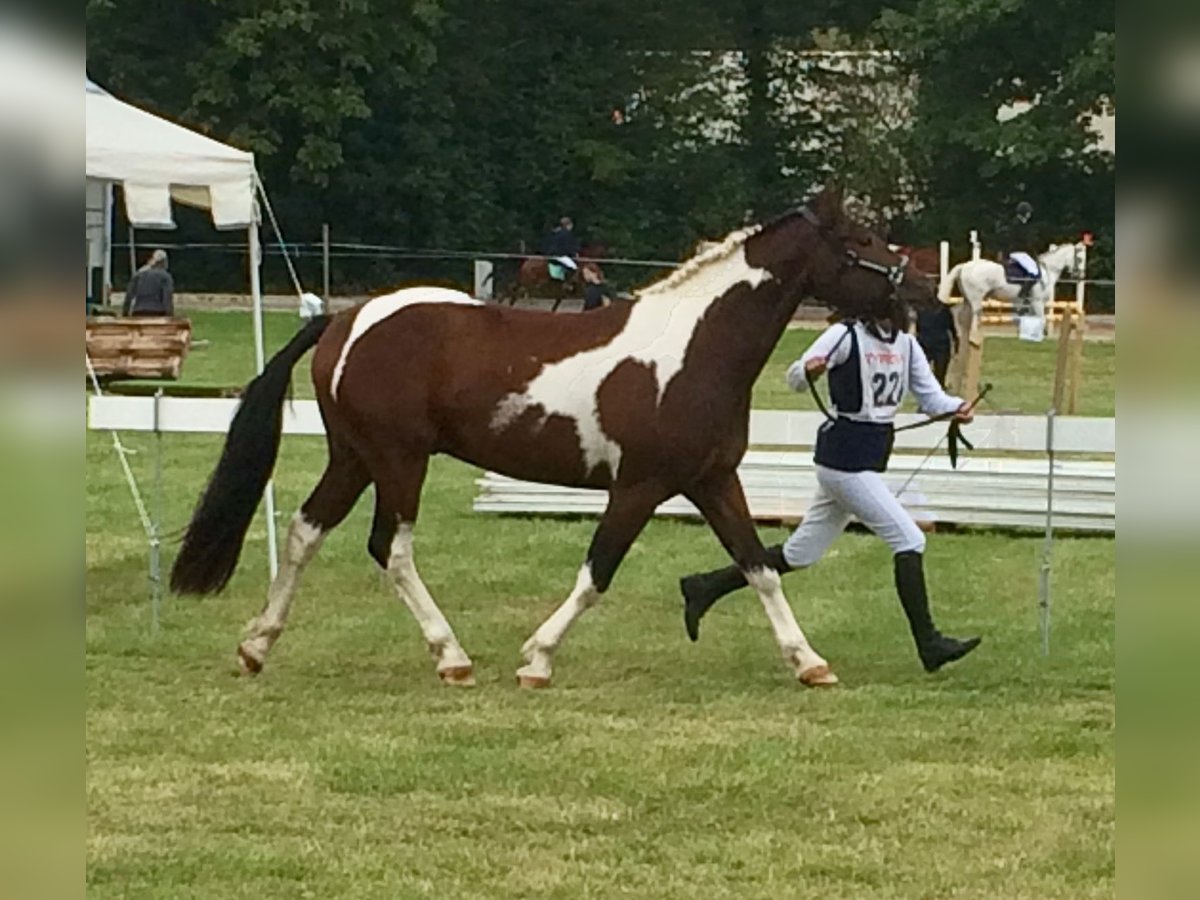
653 768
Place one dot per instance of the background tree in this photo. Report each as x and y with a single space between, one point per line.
972 58
475 124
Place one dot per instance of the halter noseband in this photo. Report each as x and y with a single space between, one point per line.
894 274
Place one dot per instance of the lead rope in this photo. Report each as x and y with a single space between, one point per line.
954 433
812 379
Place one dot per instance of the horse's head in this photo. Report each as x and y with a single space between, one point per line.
1064 259
843 263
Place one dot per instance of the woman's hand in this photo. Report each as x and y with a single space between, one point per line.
965 414
816 366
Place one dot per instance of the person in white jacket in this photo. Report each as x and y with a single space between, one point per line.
872 364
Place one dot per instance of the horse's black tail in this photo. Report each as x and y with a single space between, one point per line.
218 527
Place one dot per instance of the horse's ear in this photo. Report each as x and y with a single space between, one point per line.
828 204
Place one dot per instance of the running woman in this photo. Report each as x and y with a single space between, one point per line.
872 362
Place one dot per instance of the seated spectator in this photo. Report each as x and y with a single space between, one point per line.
151 290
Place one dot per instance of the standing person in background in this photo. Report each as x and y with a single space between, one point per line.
938 337
151 290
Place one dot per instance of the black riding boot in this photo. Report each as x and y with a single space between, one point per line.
703 590
934 648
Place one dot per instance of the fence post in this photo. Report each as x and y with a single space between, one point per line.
976 250
1066 327
1081 274
325 262
943 259
483 279
1048 542
966 366
1075 365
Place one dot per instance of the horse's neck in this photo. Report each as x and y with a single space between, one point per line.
744 308
729 334
1054 262
746 329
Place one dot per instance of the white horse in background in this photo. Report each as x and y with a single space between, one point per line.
979 279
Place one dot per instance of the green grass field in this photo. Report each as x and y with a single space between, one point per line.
654 768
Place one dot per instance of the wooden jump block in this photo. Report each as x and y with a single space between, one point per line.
141 347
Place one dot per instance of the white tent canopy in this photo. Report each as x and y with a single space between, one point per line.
156 160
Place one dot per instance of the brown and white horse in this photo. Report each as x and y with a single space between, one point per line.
647 400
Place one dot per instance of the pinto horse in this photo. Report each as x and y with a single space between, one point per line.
645 400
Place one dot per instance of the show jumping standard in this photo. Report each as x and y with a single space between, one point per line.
647 400
979 279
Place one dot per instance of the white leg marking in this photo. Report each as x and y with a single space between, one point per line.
539 649
303 540
439 636
804 660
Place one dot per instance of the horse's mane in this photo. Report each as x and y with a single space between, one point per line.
715 253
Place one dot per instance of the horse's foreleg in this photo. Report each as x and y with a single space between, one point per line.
629 508
723 504
330 502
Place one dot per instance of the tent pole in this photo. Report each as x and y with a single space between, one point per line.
108 239
260 362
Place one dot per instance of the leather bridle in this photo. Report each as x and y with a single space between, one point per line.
894 273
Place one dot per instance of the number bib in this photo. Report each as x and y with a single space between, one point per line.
872 381
885 371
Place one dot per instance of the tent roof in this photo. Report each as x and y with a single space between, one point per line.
155 160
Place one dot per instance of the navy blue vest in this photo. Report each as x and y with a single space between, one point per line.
844 444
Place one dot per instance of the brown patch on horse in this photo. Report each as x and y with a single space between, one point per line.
447 402
627 404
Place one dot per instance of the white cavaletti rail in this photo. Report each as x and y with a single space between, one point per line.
1001 483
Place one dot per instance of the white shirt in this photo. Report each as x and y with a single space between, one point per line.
888 370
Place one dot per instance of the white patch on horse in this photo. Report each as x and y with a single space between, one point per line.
657 334
381 308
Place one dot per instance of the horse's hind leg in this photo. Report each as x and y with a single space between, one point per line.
723 503
340 486
629 508
397 502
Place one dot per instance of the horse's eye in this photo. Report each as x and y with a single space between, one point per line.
864 241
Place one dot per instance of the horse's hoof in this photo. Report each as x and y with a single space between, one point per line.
247 664
818 676
460 676
532 681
